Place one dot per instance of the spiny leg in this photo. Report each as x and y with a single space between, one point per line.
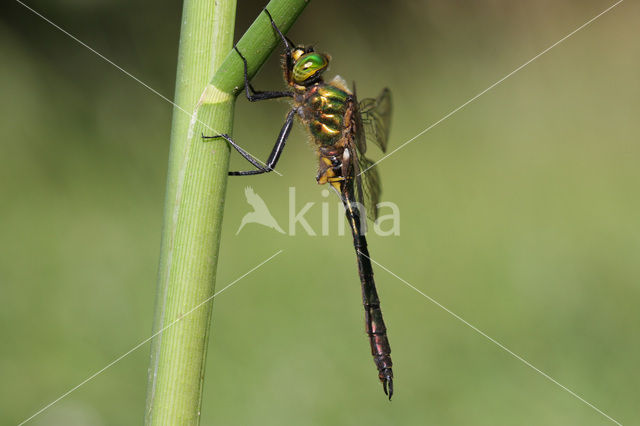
258 95
288 44
275 152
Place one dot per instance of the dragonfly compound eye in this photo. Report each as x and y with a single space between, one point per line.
309 66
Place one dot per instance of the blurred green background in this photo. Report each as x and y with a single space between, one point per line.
520 213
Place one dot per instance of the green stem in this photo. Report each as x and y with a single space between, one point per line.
194 204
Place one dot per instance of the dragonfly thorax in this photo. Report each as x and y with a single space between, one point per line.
324 110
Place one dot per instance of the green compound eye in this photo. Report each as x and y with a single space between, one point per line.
309 65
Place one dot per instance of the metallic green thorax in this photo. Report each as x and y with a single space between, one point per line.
325 108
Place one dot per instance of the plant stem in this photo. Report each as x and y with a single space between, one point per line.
194 204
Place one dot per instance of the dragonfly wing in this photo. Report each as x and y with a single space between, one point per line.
366 179
366 183
376 119
371 187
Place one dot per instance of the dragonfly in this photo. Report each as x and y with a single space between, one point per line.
340 128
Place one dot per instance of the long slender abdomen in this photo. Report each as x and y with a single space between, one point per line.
374 323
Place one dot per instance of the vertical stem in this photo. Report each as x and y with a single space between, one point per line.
196 187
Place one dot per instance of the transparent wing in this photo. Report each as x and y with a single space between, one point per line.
366 182
376 120
370 186
366 179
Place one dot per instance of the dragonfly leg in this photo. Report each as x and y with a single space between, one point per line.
258 95
288 44
275 152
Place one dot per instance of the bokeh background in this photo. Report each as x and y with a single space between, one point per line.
520 213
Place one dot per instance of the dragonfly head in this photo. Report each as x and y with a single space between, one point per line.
307 66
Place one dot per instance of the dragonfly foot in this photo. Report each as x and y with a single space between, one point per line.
215 136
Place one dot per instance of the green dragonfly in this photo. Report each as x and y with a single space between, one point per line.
340 127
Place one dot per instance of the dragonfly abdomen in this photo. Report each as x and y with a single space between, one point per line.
374 323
